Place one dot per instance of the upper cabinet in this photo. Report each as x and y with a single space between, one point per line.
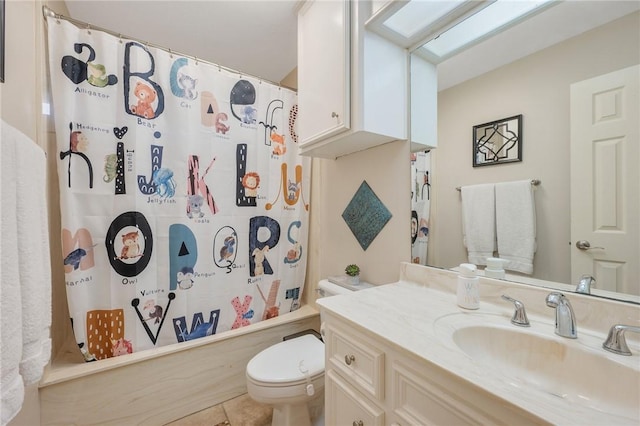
352 84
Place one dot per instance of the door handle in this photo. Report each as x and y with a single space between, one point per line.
585 245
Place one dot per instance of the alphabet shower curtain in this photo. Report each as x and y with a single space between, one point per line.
183 200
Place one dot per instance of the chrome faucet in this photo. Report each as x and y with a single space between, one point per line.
616 341
584 286
565 319
520 315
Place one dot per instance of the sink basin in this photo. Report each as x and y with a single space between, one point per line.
577 371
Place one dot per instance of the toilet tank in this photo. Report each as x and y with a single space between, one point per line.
327 288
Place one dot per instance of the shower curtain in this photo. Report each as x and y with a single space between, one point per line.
420 206
184 202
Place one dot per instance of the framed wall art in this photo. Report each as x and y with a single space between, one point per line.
498 142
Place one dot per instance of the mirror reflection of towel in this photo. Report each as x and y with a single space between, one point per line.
478 222
516 225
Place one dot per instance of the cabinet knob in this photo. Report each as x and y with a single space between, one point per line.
358 423
334 115
349 359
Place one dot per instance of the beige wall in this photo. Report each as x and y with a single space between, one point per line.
334 182
538 88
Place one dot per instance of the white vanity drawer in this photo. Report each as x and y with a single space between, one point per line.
346 406
357 359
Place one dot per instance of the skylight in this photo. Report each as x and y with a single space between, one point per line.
491 19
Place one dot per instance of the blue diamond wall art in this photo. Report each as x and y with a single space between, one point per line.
365 215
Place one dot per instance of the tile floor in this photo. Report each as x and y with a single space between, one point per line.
240 411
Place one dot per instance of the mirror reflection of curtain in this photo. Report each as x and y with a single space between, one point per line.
420 205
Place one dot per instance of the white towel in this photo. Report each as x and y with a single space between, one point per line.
516 225
11 385
34 257
26 272
478 222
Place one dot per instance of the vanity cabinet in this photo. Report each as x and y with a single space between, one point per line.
370 381
352 83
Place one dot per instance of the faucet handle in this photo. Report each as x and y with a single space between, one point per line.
585 284
616 341
520 315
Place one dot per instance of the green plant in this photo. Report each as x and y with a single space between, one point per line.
352 270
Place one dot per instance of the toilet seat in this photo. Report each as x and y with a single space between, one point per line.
288 363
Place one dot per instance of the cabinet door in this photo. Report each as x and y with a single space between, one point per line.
323 69
346 406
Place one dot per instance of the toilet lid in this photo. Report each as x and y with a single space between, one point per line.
287 361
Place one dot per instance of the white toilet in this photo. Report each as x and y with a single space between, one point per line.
290 375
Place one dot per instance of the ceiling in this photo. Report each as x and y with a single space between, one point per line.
256 37
259 37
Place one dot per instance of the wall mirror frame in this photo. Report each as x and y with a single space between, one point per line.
497 142
451 75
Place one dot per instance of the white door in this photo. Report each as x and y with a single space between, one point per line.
605 181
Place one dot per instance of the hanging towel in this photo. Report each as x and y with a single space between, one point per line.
11 385
26 271
478 222
516 225
34 257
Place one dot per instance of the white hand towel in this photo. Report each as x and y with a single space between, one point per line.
11 385
478 222
34 257
516 225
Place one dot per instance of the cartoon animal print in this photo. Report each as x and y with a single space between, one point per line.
251 183
226 252
78 143
75 257
197 186
185 278
288 189
279 147
155 311
194 207
249 115
165 185
130 246
220 126
271 310
146 96
97 75
85 353
110 167
78 71
293 188
243 313
188 84
243 93
258 256
121 347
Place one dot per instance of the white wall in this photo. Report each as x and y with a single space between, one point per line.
538 88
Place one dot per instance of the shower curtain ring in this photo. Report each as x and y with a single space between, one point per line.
170 54
196 59
120 38
88 28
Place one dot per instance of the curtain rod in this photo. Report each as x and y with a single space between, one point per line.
534 182
48 12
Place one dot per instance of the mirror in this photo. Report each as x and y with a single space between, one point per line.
523 71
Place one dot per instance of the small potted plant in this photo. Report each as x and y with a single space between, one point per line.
353 272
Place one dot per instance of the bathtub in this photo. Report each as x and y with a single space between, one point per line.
161 385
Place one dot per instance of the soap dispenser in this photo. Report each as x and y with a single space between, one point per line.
468 294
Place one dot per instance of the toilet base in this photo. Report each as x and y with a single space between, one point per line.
291 415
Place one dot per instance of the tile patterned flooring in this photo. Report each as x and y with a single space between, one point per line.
240 411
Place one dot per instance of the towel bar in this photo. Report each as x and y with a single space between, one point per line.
534 182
